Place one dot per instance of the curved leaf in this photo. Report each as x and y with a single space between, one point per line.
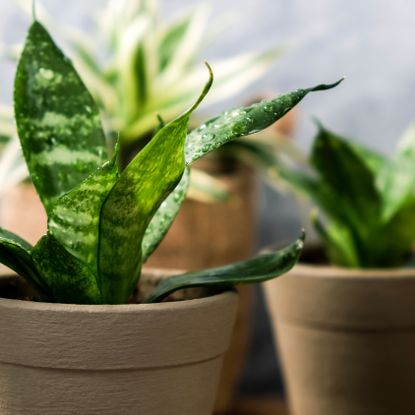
15 254
230 125
243 121
143 185
57 119
258 269
68 279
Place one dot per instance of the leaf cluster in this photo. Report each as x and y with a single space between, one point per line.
102 223
367 200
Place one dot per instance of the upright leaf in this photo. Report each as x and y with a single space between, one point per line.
396 180
144 184
57 119
68 279
338 242
348 177
74 218
171 38
258 269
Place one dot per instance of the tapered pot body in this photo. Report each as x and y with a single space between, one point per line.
156 359
346 339
212 234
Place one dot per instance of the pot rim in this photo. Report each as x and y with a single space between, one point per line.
105 337
117 308
316 270
333 271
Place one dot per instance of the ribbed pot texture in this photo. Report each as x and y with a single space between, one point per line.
346 339
149 359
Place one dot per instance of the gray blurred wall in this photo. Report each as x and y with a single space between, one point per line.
369 41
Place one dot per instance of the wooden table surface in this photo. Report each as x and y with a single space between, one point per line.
264 406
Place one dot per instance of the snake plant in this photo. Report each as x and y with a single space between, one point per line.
103 224
367 199
136 66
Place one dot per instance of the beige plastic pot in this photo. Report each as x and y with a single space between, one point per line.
161 359
346 339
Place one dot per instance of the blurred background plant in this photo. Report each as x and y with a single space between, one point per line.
142 70
365 201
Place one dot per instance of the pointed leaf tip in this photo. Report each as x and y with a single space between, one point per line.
205 90
302 235
324 87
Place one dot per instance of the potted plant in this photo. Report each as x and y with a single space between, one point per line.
137 64
75 343
344 318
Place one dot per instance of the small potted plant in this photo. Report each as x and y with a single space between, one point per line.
344 318
137 64
81 340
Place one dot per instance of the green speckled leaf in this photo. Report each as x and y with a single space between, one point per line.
219 131
15 254
242 121
258 269
57 119
131 204
165 215
68 279
74 218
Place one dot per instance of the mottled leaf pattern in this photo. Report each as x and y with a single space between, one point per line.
225 128
142 187
57 119
132 202
74 219
258 269
68 279
102 225
242 121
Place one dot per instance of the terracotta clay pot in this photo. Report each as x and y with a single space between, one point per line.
346 339
156 359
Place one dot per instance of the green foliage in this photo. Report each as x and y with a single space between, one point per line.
103 225
258 269
368 200
57 120
137 64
